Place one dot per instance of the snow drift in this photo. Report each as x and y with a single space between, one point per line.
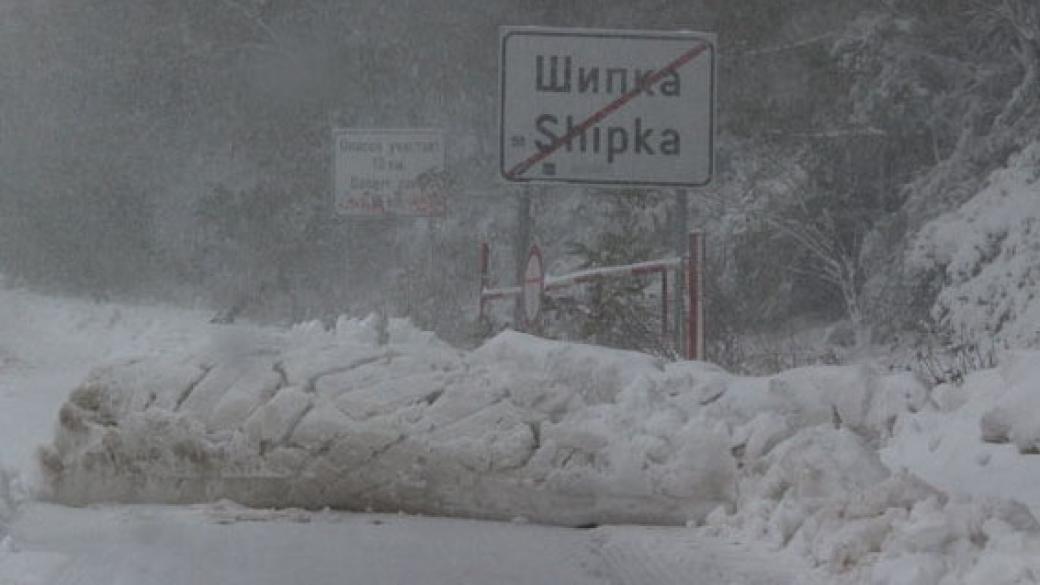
554 432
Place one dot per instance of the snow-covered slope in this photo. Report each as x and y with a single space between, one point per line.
989 253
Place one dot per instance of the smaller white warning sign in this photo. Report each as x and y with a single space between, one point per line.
388 172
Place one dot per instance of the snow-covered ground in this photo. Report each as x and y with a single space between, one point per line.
826 474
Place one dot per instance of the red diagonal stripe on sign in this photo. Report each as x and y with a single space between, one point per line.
607 110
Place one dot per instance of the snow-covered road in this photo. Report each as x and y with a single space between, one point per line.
145 545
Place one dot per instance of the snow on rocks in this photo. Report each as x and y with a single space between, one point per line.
554 432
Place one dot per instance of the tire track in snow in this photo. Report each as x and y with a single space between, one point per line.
636 555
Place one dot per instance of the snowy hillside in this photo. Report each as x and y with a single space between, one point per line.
989 253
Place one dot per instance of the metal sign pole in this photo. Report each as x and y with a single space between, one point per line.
521 248
702 350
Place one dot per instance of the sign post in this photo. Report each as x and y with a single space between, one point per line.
615 107
522 245
681 239
607 107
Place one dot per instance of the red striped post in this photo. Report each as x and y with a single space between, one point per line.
664 306
485 259
695 298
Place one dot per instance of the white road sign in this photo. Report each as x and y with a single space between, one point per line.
534 284
388 172
607 106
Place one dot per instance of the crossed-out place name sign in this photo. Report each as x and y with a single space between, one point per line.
607 106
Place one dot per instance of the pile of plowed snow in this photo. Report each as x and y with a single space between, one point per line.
825 494
522 427
829 499
554 432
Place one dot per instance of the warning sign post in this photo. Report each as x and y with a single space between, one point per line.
379 173
607 106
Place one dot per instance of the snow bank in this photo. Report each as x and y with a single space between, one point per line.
982 438
989 252
555 432
826 495
829 494
520 428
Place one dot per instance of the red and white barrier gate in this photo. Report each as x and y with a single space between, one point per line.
691 267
